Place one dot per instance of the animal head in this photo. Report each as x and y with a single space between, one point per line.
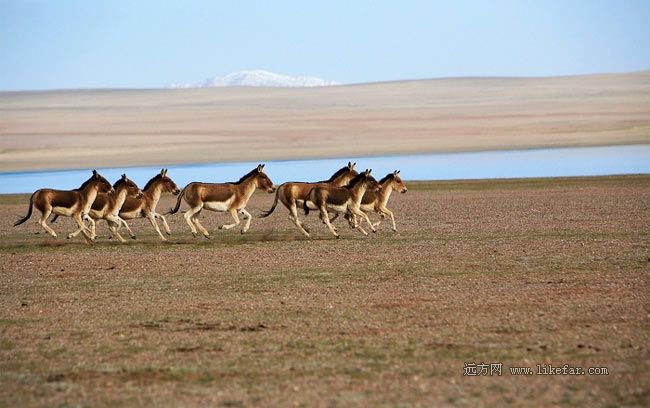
371 183
367 180
168 184
132 189
103 186
344 175
263 181
394 181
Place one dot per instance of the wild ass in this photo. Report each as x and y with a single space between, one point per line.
222 197
107 206
70 203
293 194
344 200
376 201
145 205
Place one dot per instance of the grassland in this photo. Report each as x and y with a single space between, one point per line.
521 272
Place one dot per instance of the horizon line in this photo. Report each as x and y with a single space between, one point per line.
169 88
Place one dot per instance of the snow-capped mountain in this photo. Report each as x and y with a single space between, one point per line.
257 78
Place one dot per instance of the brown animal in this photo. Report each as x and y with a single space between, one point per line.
223 197
107 206
344 200
70 203
293 194
145 205
376 200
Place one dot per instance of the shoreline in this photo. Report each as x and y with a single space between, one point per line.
191 164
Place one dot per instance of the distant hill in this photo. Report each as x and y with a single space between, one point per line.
258 78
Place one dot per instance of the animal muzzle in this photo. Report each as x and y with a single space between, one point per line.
177 191
271 189
140 194
405 190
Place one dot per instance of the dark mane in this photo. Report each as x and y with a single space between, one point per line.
246 176
338 173
150 182
356 179
118 183
85 183
388 176
90 180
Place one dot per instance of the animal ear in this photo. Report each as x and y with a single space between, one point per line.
124 176
353 164
396 172
162 172
349 165
95 172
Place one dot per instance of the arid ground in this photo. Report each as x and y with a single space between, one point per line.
518 272
119 128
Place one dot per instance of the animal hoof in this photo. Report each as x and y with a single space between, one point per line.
220 226
194 234
207 237
133 237
374 231
168 232
394 229
68 237
337 236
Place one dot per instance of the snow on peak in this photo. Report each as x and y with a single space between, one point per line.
257 78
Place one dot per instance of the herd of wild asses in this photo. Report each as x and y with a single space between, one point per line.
347 192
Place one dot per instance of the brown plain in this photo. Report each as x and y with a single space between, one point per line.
522 272
119 128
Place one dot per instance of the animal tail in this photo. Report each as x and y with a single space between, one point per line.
178 201
275 204
29 211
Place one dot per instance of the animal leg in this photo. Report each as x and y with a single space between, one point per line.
200 226
381 218
293 216
326 218
233 214
122 222
88 233
165 225
153 222
82 228
92 226
189 214
113 222
385 210
247 220
364 216
43 223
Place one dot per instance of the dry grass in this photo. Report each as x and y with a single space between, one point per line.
109 128
520 272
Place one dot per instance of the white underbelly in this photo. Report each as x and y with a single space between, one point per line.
65 211
367 207
129 215
217 205
337 208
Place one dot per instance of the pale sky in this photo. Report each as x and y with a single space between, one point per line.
53 44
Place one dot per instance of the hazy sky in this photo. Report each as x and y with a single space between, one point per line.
91 43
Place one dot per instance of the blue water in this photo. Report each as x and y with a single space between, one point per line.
580 161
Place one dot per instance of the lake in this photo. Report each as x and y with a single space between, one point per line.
579 161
